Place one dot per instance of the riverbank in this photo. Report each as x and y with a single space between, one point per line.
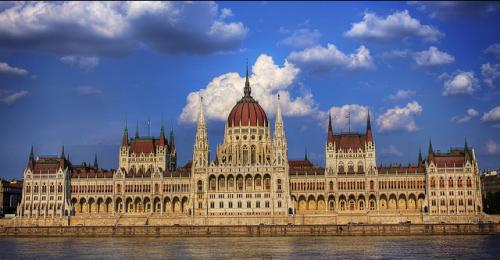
255 230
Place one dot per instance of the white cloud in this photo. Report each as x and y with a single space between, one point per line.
7 69
391 150
266 80
8 97
320 59
302 38
460 83
402 94
494 49
88 90
490 73
400 118
399 25
225 13
114 28
392 54
340 116
432 57
492 147
492 115
470 114
85 63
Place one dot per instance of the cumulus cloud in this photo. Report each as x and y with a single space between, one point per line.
396 26
7 69
492 147
85 63
490 73
402 94
321 59
492 116
494 49
88 90
340 116
446 10
391 150
114 28
302 38
470 114
400 118
459 83
8 97
432 57
266 80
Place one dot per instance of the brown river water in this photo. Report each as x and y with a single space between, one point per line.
346 247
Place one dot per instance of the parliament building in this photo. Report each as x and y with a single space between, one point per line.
252 181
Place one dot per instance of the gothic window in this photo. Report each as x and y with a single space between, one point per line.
433 183
245 154
450 182
212 183
239 183
267 183
372 185
253 151
279 184
360 167
469 182
459 182
350 167
341 167
441 182
331 185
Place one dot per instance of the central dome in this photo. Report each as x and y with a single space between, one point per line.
247 111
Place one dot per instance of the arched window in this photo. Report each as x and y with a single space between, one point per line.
469 182
350 167
341 167
252 156
245 154
360 167
157 188
372 185
200 186
278 184
450 182
119 188
433 183
331 185
441 182
459 182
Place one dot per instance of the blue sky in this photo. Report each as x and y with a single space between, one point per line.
73 73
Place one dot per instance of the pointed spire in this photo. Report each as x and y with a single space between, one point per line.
125 135
305 155
32 156
247 90
95 162
369 137
137 130
419 155
162 134
201 116
62 153
430 147
466 147
171 141
330 129
278 111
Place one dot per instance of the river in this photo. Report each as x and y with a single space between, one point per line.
345 247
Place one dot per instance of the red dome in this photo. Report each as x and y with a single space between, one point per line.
247 111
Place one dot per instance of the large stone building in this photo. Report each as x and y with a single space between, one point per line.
251 180
10 196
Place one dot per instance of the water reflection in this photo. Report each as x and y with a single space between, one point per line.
354 247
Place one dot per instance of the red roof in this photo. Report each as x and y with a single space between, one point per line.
247 112
349 140
144 145
300 163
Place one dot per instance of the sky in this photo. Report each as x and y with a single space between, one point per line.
75 73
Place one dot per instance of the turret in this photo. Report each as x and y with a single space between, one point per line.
329 138
466 151
430 153
31 159
200 154
369 137
137 130
420 160
96 166
125 136
171 141
162 136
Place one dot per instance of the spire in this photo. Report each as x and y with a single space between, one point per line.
125 135
62 153
305 155
137 130
162 134
419 155
32 156
466 147
430 147
278 111
330 129
466 150
171 141
279 132
95 162
247 90
369 137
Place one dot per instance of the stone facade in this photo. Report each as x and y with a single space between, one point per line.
251 180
